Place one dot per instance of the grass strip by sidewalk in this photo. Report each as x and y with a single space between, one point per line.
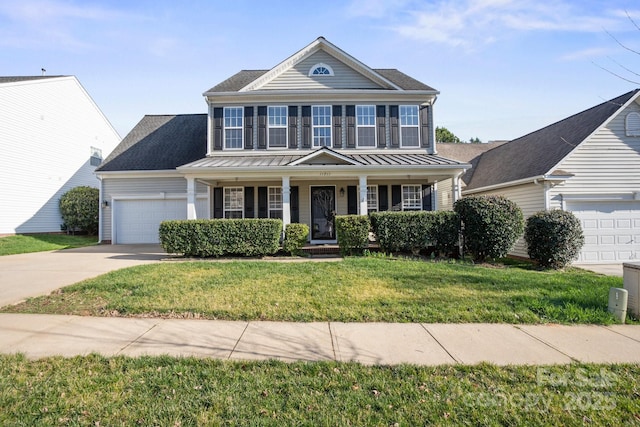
94 390
352 290
22 244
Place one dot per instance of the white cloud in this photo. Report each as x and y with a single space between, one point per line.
474 23
579 55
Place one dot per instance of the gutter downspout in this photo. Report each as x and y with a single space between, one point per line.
545 192
456 190
100 209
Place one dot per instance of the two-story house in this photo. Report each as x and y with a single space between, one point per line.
320 134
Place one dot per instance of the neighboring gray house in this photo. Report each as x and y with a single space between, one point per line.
319 134
588 164
52 137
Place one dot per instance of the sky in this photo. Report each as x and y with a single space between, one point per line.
503 68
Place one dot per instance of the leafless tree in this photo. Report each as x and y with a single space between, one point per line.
630 79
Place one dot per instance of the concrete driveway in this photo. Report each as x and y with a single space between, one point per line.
606 269
39 273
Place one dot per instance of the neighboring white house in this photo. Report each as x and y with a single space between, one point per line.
588 164
319 134
52 137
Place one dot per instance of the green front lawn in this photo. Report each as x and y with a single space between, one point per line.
22 244
352 290
164 391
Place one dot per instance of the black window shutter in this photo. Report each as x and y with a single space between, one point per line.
393 122
217 203
383 198
263 200
262 128
351 126
381 126
294 202
396 197
217 128
337 126
352 200
424 126
248 202
306 126
293 127
248 128
426 198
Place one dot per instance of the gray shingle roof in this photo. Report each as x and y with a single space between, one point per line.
537 153
244 77
14 79
160 143
469 153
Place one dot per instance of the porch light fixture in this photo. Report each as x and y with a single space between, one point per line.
341 191
105 203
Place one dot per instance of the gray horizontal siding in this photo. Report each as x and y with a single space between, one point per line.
298 77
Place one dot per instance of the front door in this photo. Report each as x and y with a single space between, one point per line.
323 212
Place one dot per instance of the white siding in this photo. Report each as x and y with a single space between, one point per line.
298 77
530 198
146 188
607 163
47 128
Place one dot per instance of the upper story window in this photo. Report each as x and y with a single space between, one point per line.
632 124
409 130
321 70
321 120
96 156
366 125
233 128
277 124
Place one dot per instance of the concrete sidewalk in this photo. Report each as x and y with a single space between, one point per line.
369 343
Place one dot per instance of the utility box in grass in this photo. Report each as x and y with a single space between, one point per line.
618 298
631 280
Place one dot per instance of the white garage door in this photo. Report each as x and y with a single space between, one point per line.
611 230
138 221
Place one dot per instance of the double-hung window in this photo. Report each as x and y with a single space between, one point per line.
275 202
277 127
409 130
321 119
233 128
366 125
372 198
412 197
233 202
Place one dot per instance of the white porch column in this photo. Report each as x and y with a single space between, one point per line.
286 201
364 208
191 198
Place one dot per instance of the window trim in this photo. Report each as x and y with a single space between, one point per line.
416 126
377 194
224 202
373 126
321 65
410 209
224 129
285 127
314 126
269 209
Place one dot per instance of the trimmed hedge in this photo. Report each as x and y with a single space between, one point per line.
295 237
218 237
353 233
554 238
415 231
492 225
79 208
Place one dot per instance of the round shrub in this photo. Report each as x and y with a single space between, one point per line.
79 208
295 237
492 224
353 233
554 238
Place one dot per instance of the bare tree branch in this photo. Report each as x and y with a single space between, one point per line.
620 43
632 21
617 75
623 67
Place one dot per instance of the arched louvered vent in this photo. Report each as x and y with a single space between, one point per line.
632 124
